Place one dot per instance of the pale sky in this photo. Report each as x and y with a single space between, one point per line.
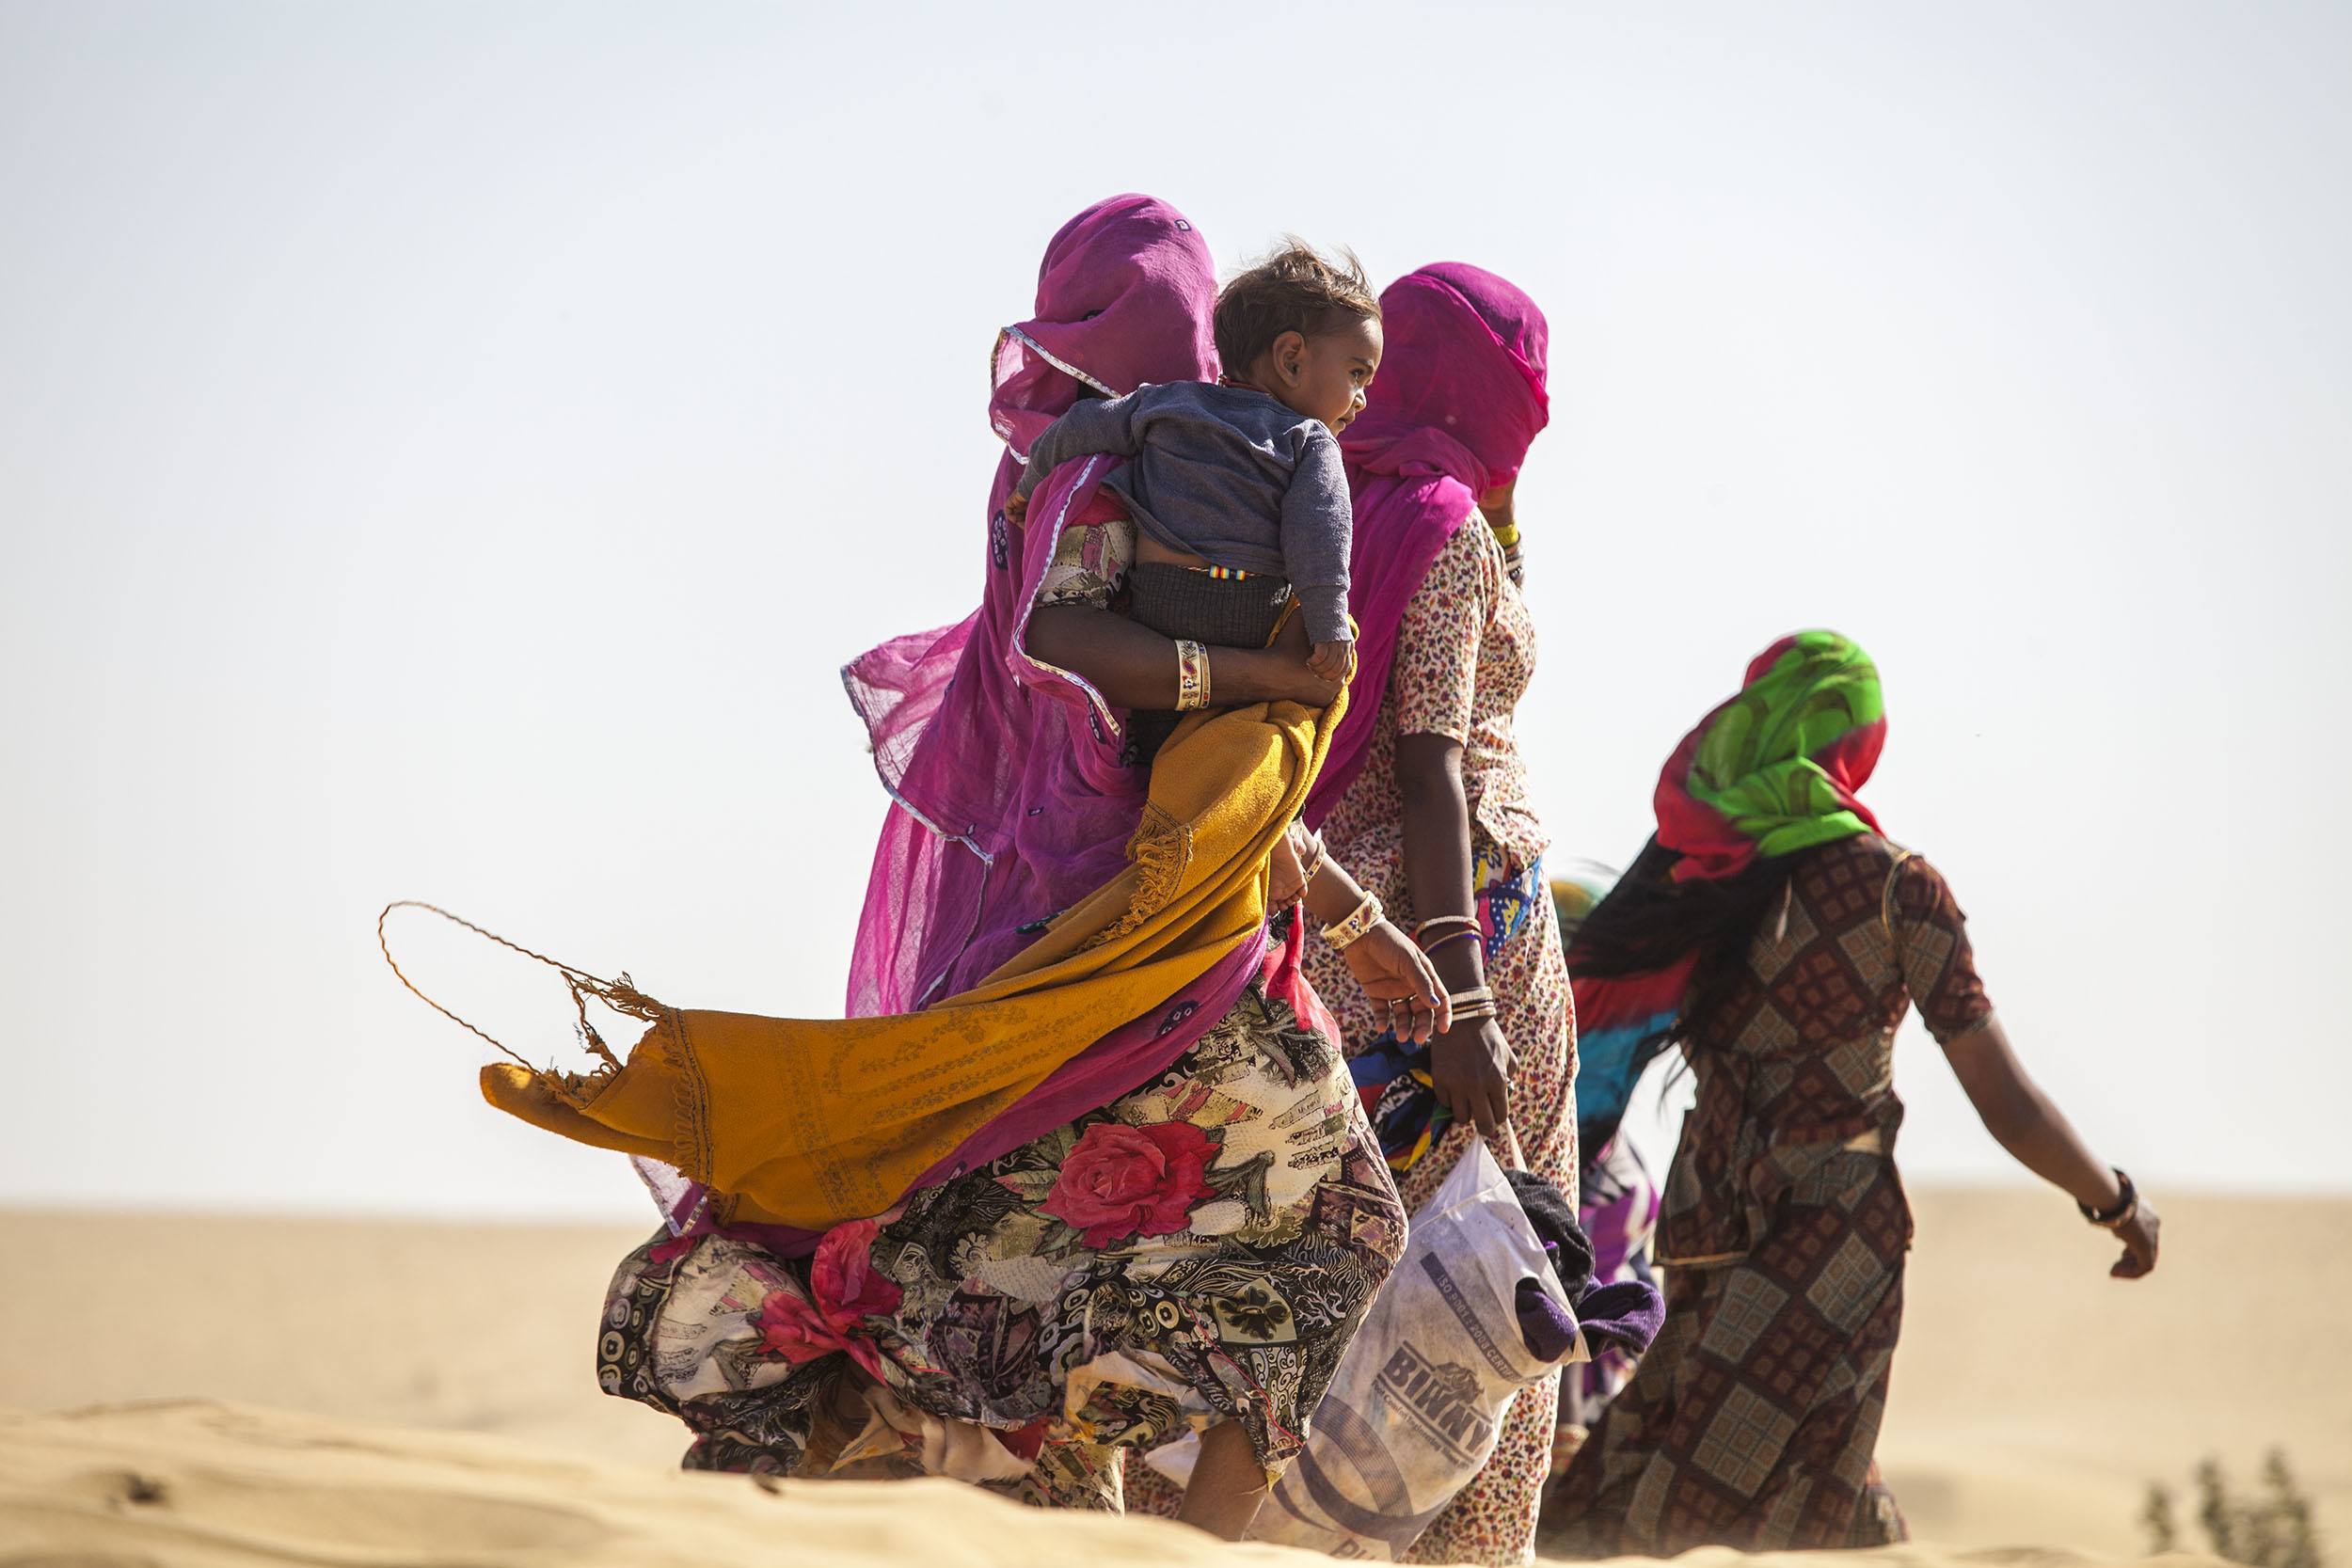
446 451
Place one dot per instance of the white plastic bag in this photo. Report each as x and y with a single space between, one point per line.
1413 1411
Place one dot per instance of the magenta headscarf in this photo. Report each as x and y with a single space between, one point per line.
1458 399
1126 295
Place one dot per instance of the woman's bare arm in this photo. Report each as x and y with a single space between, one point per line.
1395 975
1471 1063
2025 1121
1135 667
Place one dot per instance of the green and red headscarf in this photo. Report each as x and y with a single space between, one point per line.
1771 773
1774 769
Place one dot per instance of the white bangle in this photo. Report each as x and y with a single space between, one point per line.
1356 925
1316 858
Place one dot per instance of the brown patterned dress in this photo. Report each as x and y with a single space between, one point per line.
1752 1421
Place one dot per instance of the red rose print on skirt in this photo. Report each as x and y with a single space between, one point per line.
843 1289
1122 1180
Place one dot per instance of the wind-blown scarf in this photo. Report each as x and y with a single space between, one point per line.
1459 398
806 1123
1772 771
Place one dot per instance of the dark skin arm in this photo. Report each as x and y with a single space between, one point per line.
2036 1133
1469 1063
1135 667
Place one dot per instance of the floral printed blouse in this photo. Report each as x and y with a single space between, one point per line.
1465 653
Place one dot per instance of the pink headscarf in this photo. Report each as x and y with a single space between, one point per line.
1459 399
1126 295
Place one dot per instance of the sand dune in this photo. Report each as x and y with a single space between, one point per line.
201 1484
2033 1399
206 1485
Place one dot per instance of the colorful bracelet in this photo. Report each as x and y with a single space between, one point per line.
1192 675
1450 936
1356 925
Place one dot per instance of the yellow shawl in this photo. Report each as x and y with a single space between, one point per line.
810 1122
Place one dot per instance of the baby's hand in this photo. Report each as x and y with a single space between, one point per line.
1330 660
1016 508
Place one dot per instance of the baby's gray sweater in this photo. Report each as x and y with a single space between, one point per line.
1232 475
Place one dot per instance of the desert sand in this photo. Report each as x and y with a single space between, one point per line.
280 1391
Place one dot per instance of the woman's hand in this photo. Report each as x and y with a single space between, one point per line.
1399 979
1470 1066
1277 674
1286 870
2139 1236
1396 976
1289 675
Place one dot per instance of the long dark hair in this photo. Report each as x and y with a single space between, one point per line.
1650 922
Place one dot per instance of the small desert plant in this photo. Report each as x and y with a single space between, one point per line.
2272 1530
2155 1517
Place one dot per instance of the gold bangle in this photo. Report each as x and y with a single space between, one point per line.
1192 675
1315 863
1356 926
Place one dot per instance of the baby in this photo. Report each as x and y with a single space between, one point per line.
1237 491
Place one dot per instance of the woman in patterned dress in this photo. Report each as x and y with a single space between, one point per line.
1192 1251
1774 936
1424 796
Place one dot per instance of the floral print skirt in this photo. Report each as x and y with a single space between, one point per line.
1200 1250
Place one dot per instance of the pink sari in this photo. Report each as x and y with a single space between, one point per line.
1009 802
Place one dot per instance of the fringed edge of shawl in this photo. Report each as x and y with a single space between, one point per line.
1160 852
690 1097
